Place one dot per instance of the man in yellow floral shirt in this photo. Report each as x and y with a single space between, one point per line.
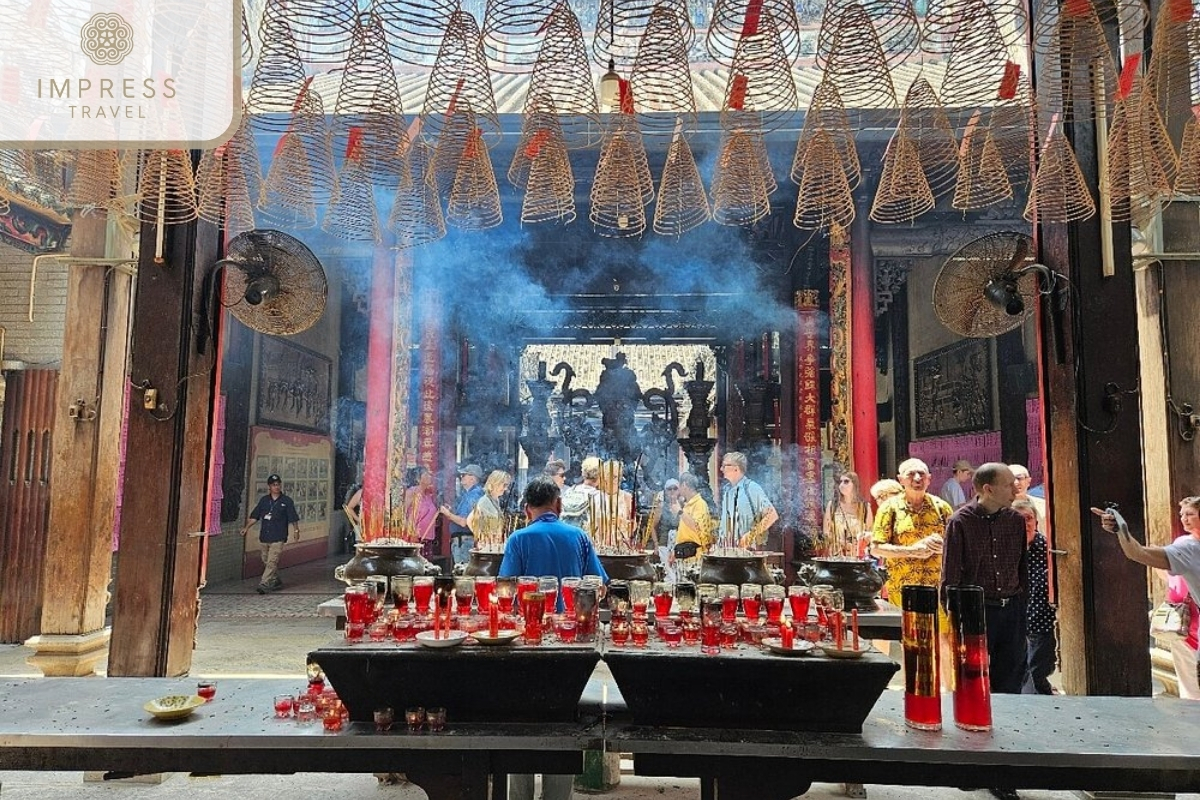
908 532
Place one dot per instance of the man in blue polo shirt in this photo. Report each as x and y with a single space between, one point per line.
276 514
547 546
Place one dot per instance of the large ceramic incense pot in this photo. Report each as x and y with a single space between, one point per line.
378 558
628 566
736 567
858 579
484 563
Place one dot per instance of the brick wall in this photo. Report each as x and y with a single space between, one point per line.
38 343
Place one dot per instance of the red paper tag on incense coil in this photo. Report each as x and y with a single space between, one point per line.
472 147
219 152
454 97
280 143
354 143
737 92
1078 8
1008 84
535 144
1180 10
303 93
753 12
1196 112
1128 76
626 95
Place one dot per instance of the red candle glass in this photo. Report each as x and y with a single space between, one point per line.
506 591
484 588
729 606
533 607
620 633
799 598
662 605
640 633
691 633
283 706
525 585
357 603
422 593
751 605
972 683
729 636
774 608
672 635
565 628
569 585
207 690
922 691
551 600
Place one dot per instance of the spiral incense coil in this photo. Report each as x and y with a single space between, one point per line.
824 199
287 192
323 28
682 202
826 113
760 80
539 122
474 198
550 188
982 178
369 99
228 179
620 25
1187 182
97 179
925 124
856 65
562 77
740 195
1059 192
351 213
414 27
661 80
944 19
512 32
895 23
416 216
627 128
1077 64
460 75
977 62
903 193
1012 123
1142 165
617 206
457 130
278 77
167 187
1176 38
310 124
733 19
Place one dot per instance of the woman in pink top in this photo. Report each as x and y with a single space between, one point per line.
421 510
1183 651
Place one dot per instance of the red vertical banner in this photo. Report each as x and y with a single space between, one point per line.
429 398
808 413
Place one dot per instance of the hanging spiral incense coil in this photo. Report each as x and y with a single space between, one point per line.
856 65
287 192
1176 38
323 28
369 99
978 57
731 19
1078 65
512 32
826 113
740 195
944 18
309 123
414 27
927 127
416 216
894 21
474 198
620 25
1142 165
562 77
278 77
247 40
1012 121
97 179
1059 192
457 130
228 179
617 205
824 199
624 126
661 80
351 213
539 122
982 178
760 80
682 202
550 188
903 193
1187 182
460 75
167 187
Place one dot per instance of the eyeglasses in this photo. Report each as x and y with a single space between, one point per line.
845 480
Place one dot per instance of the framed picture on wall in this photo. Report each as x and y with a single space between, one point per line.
294 386
953 389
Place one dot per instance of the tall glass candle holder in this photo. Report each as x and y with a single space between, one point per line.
972 683
922 693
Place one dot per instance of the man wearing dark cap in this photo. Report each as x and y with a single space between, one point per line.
470 479
276 514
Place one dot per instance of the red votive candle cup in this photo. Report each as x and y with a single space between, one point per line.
284 703
919 636
207 690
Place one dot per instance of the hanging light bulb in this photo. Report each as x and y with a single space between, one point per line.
610 88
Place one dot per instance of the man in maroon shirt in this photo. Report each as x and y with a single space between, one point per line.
985 546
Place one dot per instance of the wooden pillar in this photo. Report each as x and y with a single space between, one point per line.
155 603
862 351
84 461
